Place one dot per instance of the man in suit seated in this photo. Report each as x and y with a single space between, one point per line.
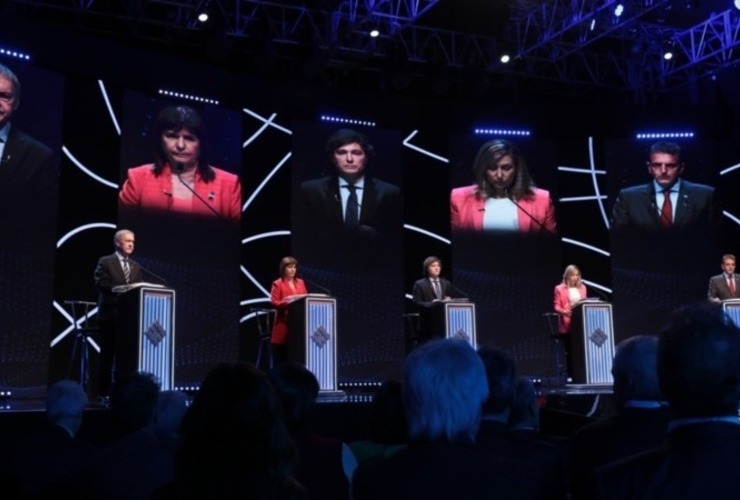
639 425
726 285
444 386
699 374
668 201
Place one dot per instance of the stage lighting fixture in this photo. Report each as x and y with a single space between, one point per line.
665 135
374 33
668 50
505 58
736 3
15 54
501 131
619 10
350 121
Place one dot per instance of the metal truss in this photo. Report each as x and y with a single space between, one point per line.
573 43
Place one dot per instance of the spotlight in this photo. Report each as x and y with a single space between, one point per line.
737 4
203 16
618 10
505 58
374 33
668 55
668 50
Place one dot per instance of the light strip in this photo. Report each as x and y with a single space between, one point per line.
189 97
351 121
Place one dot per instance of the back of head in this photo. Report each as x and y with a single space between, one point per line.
443 389
635 370
169 412
133 399
65 404
699 362
525 413
501 376
297 389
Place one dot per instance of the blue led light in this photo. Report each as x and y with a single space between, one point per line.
665 135
14 54
350 121
189 97
501 131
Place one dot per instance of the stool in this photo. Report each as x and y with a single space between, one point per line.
561 367
82 333
412 331
265 318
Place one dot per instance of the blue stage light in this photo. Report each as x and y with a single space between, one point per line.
14 54
349 121
665 135
189 97
501 131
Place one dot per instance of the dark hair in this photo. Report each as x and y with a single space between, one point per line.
133 399
285 262
488 156
428 262
177 118
669 148
346 136
501 376
699 362
297 389
635 370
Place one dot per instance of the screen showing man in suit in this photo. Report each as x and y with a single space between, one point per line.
724 286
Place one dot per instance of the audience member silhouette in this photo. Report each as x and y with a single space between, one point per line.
137 461
699 374
47 465
525 413
641 420
320 458
169 412
494 433
387 429
443 388
234 442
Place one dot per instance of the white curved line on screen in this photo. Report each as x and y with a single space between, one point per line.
592 162
409 296
86 170
266 179
72 325
265 235
582 198
729 169
253 280
581 170
731 217
586 246
596 285
260 130
254 301
427 233
110 108
268 121
92 225
422 151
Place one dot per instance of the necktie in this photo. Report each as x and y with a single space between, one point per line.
666 213
126 270
437 289
731 285
351 213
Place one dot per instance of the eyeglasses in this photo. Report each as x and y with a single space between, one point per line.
669 166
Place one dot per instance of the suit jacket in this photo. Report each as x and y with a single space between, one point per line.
696 206
144 190
561 304
631 431
467 210
109 274
280 289
444 471
423 291
718 288
696 461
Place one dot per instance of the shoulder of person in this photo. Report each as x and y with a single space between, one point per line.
315 183
541 193
28 141
380 184
693 186
464 191
222 174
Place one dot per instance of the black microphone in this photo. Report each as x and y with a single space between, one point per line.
598 292
462 295
545 228
314 284
179 168
152 273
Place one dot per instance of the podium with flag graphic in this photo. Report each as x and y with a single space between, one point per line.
145 336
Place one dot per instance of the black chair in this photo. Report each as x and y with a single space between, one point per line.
83 334
558 346
265 319
412 331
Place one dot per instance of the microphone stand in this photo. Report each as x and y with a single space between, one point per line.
313 283
513 200
179 168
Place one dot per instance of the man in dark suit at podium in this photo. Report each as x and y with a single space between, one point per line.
726 285
111 271
429 294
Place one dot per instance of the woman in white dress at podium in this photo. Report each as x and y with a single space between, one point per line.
285 290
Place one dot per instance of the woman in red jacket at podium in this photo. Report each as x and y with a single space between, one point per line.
285 290
567 295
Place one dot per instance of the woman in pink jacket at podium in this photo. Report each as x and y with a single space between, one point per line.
567 294
285 290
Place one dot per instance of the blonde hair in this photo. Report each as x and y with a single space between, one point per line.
569 271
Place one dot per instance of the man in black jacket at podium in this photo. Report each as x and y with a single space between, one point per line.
429 294
111 271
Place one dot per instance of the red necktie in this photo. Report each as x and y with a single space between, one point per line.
731 283
666 213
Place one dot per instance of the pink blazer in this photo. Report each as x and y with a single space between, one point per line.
466 211
280 290
561 304
143 190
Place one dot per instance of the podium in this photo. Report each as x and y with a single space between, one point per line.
145 337
453 319
731 307
312 337
592 337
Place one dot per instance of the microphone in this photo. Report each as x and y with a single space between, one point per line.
462 294
152 273
316 285
179 168
542 226
598 292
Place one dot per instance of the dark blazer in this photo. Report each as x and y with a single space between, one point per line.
696 206
423 291
444 471
631 431
718 288
697 461
108 274
27 164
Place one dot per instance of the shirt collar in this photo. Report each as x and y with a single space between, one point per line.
359 184
5 132
674 189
